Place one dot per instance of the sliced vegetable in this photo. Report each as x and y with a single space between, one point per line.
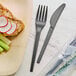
13 29
3 21
4 45
6 28
6 40
1 49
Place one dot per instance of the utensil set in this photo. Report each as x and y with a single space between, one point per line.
71 50
40 23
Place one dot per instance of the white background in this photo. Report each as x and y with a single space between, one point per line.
64 32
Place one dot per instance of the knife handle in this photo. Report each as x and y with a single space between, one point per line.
35 50
45 44
55 67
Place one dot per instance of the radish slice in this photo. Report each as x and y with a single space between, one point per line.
13 29
6 29
3 21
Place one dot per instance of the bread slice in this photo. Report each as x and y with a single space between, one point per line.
20 26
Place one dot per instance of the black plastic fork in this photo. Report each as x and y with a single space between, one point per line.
40 22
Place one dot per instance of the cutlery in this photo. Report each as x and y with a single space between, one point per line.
69 65
40 22
53 21
71 50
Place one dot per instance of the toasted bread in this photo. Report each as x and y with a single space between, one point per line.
20 26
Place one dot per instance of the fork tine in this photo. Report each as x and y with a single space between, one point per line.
43 13
46 14
40 13
37 16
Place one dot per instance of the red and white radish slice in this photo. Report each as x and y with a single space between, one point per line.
6 28
13 29
3 21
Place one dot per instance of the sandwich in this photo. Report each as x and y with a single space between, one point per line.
9 25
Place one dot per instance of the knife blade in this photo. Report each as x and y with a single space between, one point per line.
55 17
71 50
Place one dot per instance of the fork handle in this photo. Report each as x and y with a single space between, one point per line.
35 50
